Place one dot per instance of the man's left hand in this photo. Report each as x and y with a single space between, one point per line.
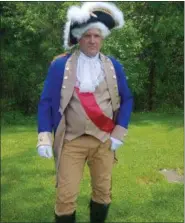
116 143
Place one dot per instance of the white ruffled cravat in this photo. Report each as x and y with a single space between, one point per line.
90 72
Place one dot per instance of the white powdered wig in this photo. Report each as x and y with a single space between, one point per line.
78 32
116 13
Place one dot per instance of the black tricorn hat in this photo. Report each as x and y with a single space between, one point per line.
101 15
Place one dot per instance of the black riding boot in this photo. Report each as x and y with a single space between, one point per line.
66 218
98 212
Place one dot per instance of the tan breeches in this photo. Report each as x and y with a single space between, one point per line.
74 155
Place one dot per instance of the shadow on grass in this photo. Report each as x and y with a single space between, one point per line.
15 129
169 120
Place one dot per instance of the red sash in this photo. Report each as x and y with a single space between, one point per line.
94 112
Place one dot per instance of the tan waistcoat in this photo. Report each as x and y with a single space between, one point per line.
77 121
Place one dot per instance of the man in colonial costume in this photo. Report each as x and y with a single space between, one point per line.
87 104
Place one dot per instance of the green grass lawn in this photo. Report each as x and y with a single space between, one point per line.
140 192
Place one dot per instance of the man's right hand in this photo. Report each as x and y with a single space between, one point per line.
45 151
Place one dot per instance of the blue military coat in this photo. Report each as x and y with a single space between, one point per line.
49 104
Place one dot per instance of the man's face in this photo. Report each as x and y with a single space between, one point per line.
90 43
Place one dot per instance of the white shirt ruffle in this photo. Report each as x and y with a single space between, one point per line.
90 72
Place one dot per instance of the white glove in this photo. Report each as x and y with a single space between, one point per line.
116 143
45 151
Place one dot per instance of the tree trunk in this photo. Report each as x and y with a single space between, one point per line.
151 87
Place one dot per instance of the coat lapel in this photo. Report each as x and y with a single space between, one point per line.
68 81
111 80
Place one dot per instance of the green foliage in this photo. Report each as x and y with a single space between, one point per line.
31 38
150 47
161 27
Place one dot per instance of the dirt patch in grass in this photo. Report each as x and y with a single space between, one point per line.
172 176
